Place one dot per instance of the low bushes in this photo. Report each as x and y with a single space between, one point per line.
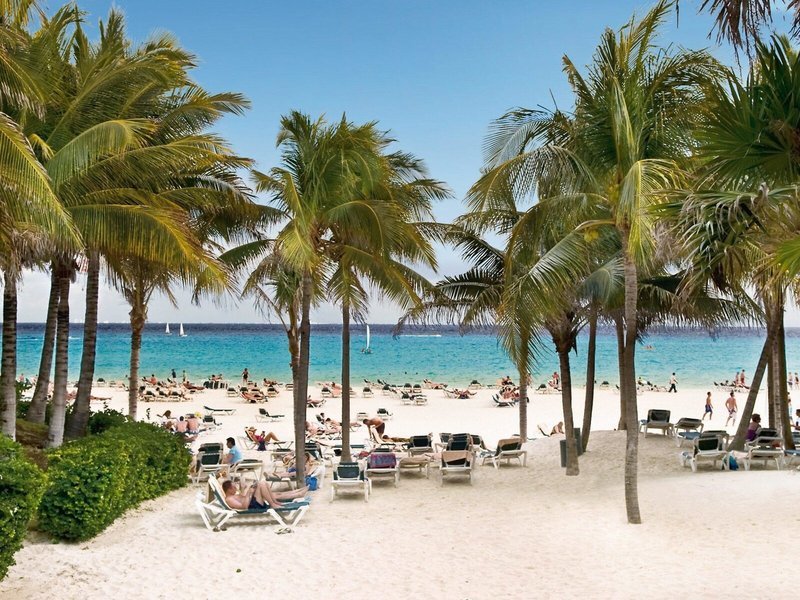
21 486
104 420
94 480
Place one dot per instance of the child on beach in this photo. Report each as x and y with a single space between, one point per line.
732 407
709 408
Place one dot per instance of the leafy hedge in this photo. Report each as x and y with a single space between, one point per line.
94 480
21 486
104 420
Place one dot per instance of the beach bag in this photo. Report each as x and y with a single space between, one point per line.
311 483
733 465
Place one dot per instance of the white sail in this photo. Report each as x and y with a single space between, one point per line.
181 332
367 337
167 331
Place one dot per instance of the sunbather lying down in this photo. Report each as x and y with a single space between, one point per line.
258 496
557 428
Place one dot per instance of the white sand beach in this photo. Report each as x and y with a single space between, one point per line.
516 532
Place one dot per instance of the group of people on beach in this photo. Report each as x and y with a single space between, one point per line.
730 405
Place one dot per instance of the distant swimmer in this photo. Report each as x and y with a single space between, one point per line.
649 347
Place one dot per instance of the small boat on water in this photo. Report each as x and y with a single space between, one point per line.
366 349
167 332
182 334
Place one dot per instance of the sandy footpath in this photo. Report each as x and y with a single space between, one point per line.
516 532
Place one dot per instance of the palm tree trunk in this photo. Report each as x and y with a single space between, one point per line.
752 396
566 403
346 381
301 389
785 420
38 408
55 434
772 383
588 403
80 416
138 319
628 390
8 371
620 330
523 369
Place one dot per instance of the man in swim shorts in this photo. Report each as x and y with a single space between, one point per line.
733 408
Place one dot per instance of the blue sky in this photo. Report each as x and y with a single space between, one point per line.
435 73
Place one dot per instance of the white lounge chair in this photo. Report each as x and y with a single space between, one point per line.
657 418
687 430
708 447
382 463
219 411
384 414
217 512
456 462
349 476
506 450
264 416
768 445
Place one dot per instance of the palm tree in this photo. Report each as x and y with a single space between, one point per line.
742 219
741 21
29 211
635 110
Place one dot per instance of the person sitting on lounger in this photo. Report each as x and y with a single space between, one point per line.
192 424
252 397
258 496
434 385
332 426
754 428
557 428
312 429
182 426
234 455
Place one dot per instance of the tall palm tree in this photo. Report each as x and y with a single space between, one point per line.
741 22
742 220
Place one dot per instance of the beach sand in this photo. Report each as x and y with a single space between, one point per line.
516 532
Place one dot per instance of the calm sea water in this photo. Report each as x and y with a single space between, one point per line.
440 354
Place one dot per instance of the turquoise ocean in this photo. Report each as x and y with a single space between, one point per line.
437 353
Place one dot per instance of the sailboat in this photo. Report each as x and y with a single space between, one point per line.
167 332
367 349
181 331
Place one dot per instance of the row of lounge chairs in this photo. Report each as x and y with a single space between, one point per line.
712 445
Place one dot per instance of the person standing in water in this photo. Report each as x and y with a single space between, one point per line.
709 411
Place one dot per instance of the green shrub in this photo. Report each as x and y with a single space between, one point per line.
104 420
94 480
21 486
23 406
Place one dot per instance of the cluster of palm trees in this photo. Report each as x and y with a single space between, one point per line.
665 195
106 164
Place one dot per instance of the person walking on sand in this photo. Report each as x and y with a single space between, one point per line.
673 384
709 408
733 408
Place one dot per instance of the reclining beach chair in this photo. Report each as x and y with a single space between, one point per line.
382 462
500 402
474 385
209 423
217 513
456 462
349 476
264 416
657 418
219 411
210 463
459 442
367 392
687 429
248 440
709 446
767 445
384 414
232 392
506 450
419 444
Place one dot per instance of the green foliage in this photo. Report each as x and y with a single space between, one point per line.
23 406
94 480
20 387
105 419
21 486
